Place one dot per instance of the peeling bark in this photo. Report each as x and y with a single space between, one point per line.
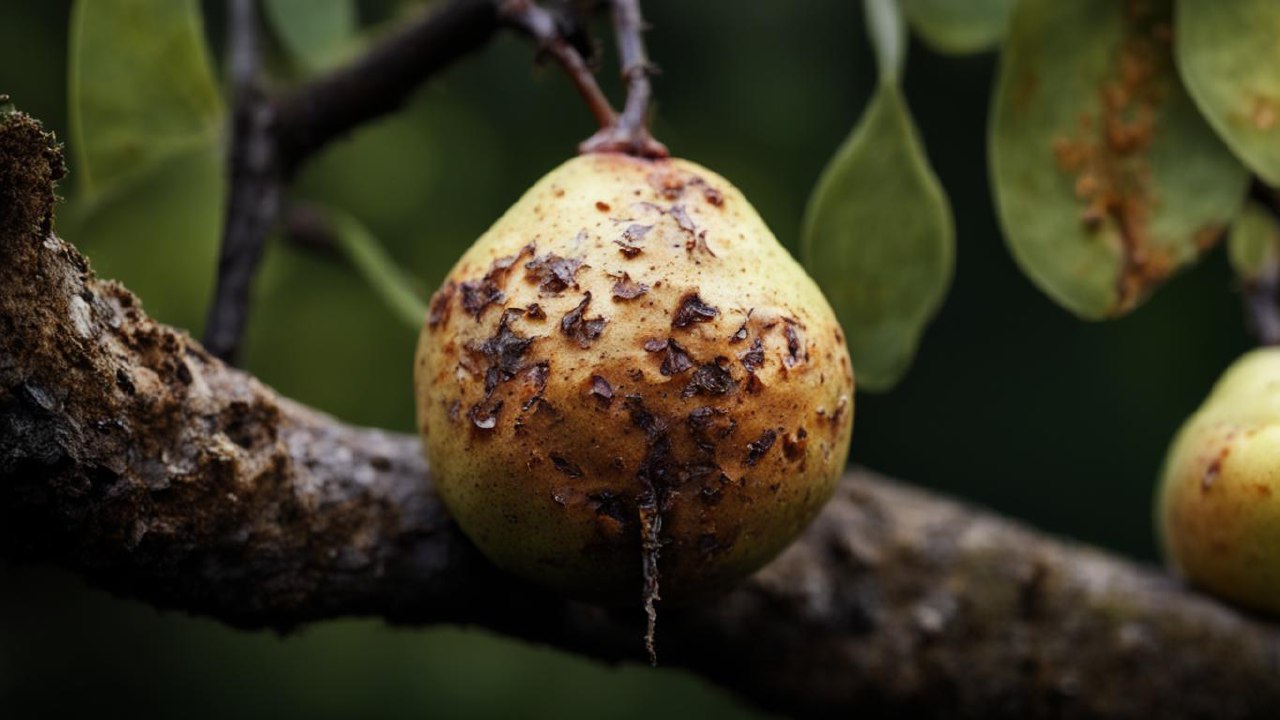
131 456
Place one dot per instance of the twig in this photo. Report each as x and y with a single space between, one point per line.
631 132
1262 292
541 25
132 457
379 81
253 197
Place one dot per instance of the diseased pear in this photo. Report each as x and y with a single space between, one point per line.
1218 508
628 377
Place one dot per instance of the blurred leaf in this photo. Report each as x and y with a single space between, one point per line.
1229 54
879 240
378 270
1106 177
141 88
1254 244
317 33
959 26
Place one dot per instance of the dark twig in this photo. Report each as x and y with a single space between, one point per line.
631 132
1262 291
530 18
253 198
381 80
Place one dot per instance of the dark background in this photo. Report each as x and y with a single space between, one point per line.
1012 403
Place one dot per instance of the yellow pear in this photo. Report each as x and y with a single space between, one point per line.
1218 508
628 377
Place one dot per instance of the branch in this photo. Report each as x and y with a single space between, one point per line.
255 186
130 455
1262 293
539 24
272 138
630 134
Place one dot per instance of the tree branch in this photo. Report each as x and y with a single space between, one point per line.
539 24
254 190
381 80
130 455
1262 293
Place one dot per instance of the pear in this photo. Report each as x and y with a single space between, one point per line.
1218 506
628 378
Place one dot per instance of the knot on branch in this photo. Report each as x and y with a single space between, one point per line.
30 164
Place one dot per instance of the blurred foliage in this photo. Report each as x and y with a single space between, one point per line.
878 232
1107 178
1011 402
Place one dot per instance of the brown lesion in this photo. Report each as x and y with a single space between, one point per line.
675 358
624 288
500 358
441 304
1108 153
584 331
552 273
692 309
478 295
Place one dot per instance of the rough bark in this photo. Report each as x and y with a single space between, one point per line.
131 456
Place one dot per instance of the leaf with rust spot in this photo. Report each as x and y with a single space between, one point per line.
1229 55
1106 177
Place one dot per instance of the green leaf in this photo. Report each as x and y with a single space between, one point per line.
1254 244
959 27
141 88
879 240
1230 60
1106 177
378 270
317 33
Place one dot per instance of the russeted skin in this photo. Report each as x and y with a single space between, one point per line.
1218 507
628 338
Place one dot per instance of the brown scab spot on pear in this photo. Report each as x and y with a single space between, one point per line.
795 347
756 449
441 304
602 391
624 288
675 358
711 378
753 357
692 309
602 206
478 295
553 274
793 446
579 329
566 466
740 335
629 243
534 311
503 356
708 426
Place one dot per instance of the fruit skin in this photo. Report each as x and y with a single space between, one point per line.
722 394
1218 508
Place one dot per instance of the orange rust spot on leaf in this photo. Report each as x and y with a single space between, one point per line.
1108 154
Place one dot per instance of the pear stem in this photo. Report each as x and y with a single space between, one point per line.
539 24
630 133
